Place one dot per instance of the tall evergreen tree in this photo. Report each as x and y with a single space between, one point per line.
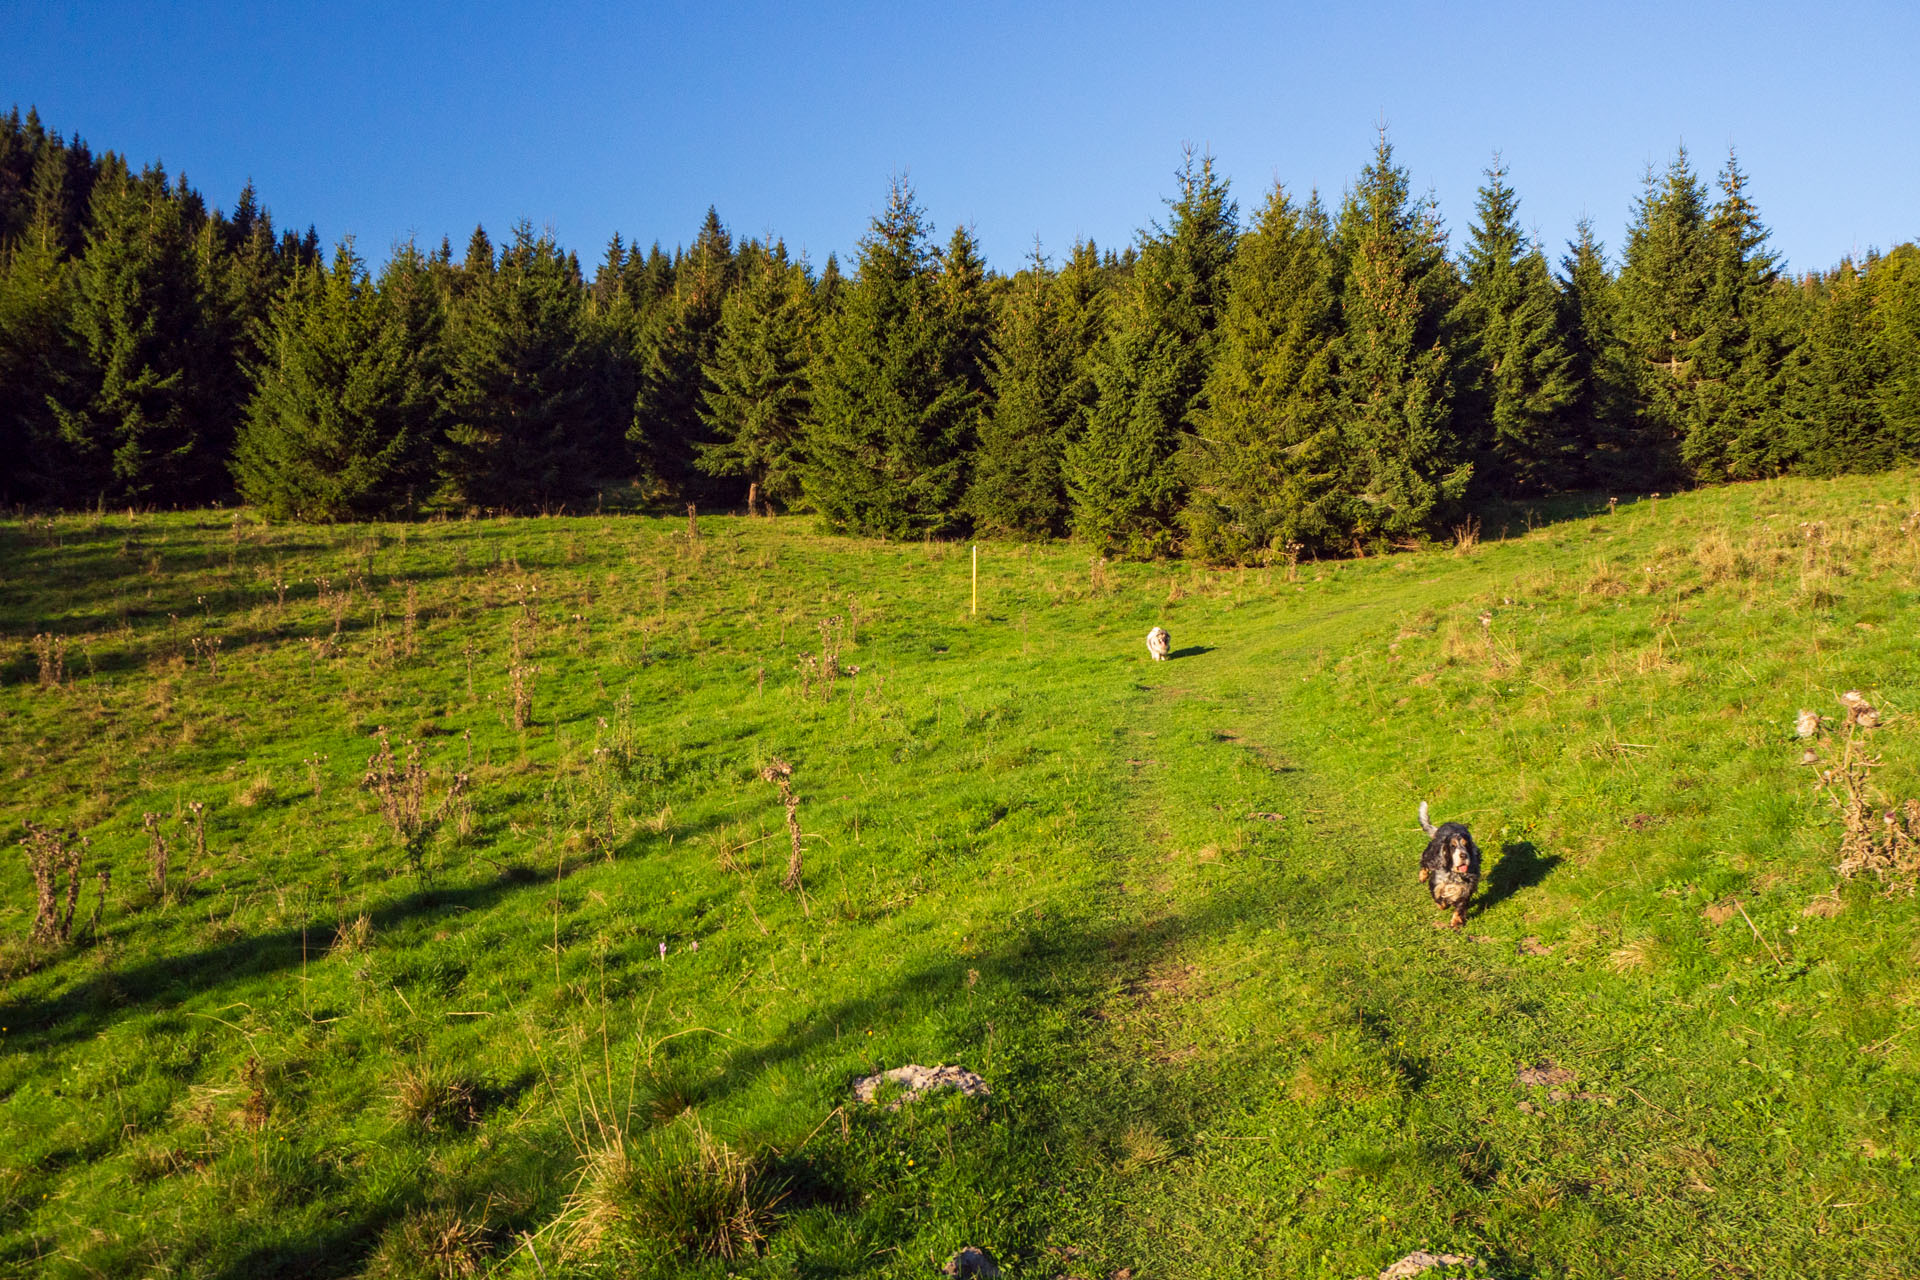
1150 373
1514 378
1405 463
1665 279
673 347
1736 431
1833 416
1894 282
1041 389
756 397
1263 462
1602 420
522 435
885 453
144 425
340 425
37 366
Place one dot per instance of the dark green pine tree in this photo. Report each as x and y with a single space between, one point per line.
521 433
38 364
142 425
1602 421
1150 372
885 451
340 426
826 290
1514 377
1662 294
1737 429
1406 465
671 349
756 398
1832 376
1263 464
1041 388
1894 282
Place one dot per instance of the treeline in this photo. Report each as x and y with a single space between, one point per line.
1311 379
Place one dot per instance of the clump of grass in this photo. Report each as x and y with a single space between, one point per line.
256 792
437 1244
351 937
680 1191
431 1099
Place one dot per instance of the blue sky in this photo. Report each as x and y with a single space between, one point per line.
1022 120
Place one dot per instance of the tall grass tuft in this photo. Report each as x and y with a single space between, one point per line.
678 1191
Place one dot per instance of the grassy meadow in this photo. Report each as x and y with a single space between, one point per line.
521 991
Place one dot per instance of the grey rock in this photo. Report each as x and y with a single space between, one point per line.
914 1080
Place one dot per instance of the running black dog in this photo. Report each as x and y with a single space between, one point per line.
1450 867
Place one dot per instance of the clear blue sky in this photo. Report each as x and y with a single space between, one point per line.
1023 120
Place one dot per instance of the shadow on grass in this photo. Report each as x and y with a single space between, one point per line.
1521 866
1192 651
81 1009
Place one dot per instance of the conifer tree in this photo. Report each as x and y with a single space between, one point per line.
1833 416
1665 279
1041 389
1514 378
1894 282
340 424
671 350
1405 463
885 452
1263 463
1150 372
1736 431
521 433
142 425
37 366
1602 423
756 396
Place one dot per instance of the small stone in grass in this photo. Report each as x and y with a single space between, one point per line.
974 1262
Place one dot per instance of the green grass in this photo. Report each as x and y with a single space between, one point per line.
1168 911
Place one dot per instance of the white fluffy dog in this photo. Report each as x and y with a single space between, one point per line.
1159 644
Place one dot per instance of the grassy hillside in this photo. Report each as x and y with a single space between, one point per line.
529 997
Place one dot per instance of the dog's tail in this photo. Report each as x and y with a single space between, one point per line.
1426 824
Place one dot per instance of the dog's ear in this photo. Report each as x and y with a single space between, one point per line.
1426 825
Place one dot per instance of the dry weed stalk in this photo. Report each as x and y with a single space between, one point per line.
520 684
50 652
780 774
693 523
1882 842
197 819
50 853
411 621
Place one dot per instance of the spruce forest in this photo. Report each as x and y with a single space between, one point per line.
1317 377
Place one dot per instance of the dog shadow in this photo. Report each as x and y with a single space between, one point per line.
1191 651
1521 866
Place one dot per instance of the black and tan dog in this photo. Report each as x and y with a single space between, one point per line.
1450 867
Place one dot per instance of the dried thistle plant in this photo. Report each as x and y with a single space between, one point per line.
52 852
780 774
50 653
197 819
520 685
